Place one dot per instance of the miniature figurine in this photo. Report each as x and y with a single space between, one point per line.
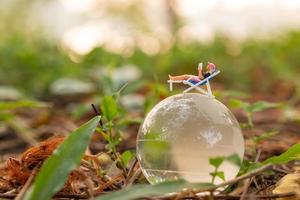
211 68
196 81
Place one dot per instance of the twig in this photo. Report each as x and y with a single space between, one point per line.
131 168
27 185
87 181
255 183
257 155
283 171
265 187
268 196
7 196
134 177
229 197
22 130
245 176
58 195
249 181
128 177
112 184
97 113
71 196
237 179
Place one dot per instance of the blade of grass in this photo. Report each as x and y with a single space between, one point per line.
293 153
21 104
64 159
143 190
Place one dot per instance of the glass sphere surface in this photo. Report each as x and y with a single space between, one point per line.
181 133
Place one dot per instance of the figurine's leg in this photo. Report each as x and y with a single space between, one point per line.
180 77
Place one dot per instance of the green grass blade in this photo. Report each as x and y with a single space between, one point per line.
142 190
293 153
21 104
262 105
65 158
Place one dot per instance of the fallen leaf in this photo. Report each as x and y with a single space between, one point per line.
289 183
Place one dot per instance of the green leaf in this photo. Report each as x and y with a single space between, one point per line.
262 105
64 159
128 121
142 190
216 161
6 116
109 107
21 104
234 159
112 143
264 136
118 93
293 153
244 125
250 108
219 174
104 135
236 103
248 166
126 157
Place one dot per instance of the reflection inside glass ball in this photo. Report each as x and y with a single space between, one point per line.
181 133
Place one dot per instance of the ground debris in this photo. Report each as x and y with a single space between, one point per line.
86 180
289 183
18 170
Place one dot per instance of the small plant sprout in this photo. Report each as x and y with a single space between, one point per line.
249 109
111 131
216 162
266 135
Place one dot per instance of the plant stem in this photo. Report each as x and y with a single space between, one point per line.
248 182
214 175
250 120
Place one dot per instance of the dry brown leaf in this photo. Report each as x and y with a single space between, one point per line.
86 179
289 183
17 171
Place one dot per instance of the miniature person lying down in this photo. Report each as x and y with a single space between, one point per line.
211 68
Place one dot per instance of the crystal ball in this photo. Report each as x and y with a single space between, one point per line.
180 135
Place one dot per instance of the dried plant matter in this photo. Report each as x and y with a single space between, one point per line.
84 181
19 170
289 183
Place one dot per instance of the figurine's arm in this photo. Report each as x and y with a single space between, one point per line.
200 66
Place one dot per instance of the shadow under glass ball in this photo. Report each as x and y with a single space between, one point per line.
181 133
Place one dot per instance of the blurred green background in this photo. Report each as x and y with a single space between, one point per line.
106 44
57 57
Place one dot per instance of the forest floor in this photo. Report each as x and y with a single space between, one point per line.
32 128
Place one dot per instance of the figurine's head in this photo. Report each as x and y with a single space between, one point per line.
200 66
211 67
